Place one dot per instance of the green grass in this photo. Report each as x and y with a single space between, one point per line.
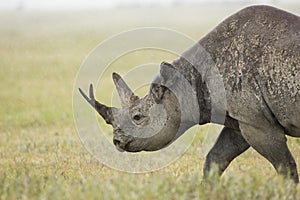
41 155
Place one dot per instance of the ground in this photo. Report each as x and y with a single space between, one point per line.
41 155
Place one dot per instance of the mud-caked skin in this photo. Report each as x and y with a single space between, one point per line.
257 54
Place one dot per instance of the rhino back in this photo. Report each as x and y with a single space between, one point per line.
257 52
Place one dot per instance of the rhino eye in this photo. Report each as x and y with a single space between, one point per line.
137 117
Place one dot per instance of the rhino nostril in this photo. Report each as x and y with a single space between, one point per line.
116 142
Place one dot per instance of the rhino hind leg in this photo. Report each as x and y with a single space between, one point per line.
270 142
228 146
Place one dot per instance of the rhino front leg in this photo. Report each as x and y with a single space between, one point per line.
229 145
270 142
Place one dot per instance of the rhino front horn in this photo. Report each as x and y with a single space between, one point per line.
127 97
105 111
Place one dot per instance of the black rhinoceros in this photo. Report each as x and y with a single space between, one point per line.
256 53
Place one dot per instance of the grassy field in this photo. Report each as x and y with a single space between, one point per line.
41 155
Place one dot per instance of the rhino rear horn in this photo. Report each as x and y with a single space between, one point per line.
105 111
127 97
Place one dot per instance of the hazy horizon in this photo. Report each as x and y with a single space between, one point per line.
101 4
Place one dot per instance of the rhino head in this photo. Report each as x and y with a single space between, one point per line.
143 124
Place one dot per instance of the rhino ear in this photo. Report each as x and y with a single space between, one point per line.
167 72
164 81
127 97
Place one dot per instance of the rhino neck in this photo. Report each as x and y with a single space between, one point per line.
191 69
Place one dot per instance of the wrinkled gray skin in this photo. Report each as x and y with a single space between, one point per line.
257 53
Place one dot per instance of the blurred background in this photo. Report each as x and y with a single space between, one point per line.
96 4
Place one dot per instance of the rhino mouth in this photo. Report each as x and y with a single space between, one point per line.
125 147
125 143
120 147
